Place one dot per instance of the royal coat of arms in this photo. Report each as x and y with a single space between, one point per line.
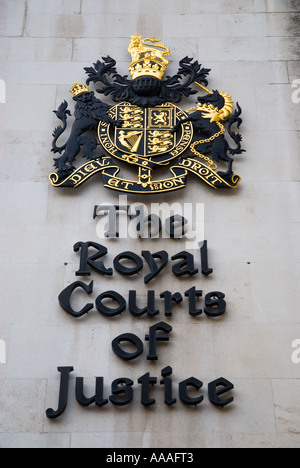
145 128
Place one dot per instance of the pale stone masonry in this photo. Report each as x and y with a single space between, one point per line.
252 47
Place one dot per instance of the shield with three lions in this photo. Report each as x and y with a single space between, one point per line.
145 132
145 135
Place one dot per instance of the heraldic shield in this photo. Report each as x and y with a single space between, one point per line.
144 137
145 128
145 132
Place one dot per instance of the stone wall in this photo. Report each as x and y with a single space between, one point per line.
252 47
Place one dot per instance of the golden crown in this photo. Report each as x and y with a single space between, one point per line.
148 57
79 88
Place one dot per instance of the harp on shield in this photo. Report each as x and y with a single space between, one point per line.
130 140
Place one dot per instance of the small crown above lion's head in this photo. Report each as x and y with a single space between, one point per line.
78 88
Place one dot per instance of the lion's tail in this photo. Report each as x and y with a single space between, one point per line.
62 112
